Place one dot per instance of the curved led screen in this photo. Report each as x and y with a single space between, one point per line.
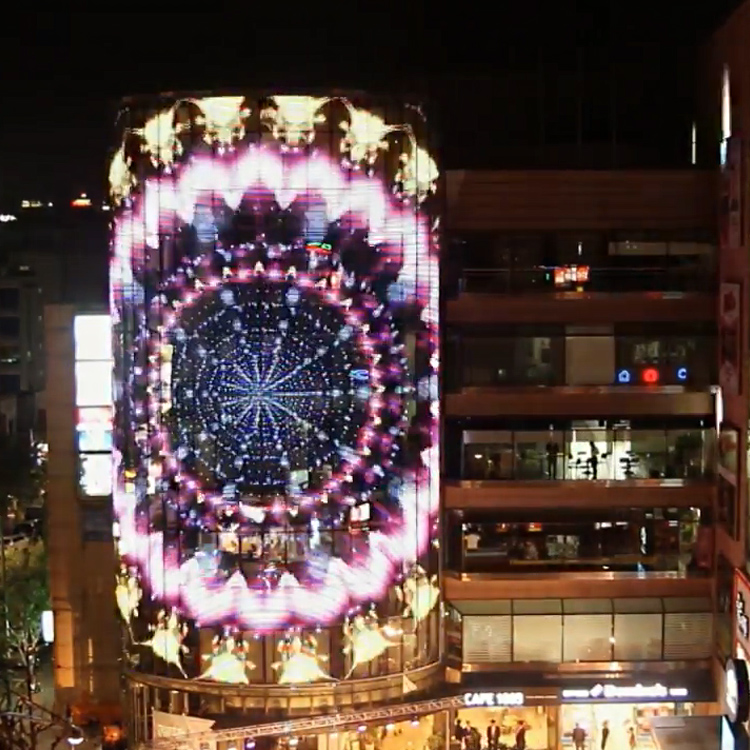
274 291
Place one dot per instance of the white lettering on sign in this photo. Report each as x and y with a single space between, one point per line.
493 699
614 692
743 623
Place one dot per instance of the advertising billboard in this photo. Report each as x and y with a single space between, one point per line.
92 342
275 300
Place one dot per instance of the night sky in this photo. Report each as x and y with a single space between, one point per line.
63 73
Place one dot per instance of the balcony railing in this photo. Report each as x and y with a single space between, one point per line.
587 454
647 545
551 279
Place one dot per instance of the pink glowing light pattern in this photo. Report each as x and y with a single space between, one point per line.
406 242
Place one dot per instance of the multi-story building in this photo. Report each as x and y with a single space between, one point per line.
48 255
725 117
274 590
579 440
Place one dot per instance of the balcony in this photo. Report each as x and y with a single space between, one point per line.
645 295
573 401
530 494
551 356
657 540
590 585
584 452
584 279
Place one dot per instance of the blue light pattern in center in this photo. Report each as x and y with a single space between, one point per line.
267 381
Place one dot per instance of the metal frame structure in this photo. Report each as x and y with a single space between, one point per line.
315 724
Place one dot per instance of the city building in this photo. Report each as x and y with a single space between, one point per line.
49 255
563 563
725 68
80 549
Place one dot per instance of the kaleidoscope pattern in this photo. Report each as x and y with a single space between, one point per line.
275 296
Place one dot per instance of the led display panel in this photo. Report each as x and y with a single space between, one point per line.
275 300
92 346
92 336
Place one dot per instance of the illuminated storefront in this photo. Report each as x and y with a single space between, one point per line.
274 291
549 715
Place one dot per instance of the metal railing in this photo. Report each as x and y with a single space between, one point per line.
541 279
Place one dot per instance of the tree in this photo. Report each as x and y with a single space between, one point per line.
25 596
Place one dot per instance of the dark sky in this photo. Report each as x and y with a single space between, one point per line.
64 72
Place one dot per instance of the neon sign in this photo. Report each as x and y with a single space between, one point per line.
494 699
639 691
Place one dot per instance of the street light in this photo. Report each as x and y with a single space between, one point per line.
39 715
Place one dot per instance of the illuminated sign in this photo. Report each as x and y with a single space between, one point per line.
650 376
743 623
682 374
494 699
83 201
736 691
92 346
277 368
48 626
569 275
639 691
624 377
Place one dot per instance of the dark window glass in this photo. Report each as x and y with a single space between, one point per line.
10 326
508 361
10 383
9 299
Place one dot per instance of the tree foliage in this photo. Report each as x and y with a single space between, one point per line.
24 597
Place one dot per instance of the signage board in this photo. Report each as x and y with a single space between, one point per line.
741 615
638 692
490 699
736 691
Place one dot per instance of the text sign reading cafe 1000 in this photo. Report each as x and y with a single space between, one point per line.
493 699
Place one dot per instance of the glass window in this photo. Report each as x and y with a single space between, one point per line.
491 361
727 506
637 637
488 455
10 326
589 453
537 638
535 456
10 383
10 299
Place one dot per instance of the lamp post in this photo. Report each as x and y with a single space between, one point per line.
28 712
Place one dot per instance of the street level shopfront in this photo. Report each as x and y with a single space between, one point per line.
547 713
550 714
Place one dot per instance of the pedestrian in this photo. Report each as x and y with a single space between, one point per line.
605 734
579 737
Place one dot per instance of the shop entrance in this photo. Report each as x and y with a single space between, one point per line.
629 723
540 724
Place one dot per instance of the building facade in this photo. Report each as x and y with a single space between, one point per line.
301 560
275 301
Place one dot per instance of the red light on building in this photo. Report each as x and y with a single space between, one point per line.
650 376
